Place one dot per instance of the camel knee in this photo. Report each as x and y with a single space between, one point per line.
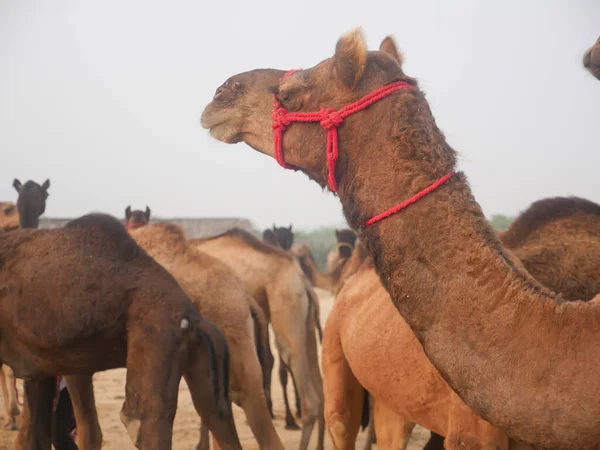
338 430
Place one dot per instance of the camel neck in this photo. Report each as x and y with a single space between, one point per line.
494 333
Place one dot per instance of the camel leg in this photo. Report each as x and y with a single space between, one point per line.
393 431
435 442
11 409
63 422
290 423
36 425
248 384
317 380
298 406
344 396
204 443
207 376
81 390
371 436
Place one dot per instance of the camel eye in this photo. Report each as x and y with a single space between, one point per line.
284 95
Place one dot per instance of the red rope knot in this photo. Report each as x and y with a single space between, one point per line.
330 118
280 118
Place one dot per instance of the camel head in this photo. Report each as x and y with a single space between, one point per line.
284 237
591 59
137 218
241 108
269 237
346 239
31 203
9 216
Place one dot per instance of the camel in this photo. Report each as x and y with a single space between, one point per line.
222 299
9 217
284 237
116 307
591 59
564 228
346 240
336 260
438 257
137 218
31 203
275 280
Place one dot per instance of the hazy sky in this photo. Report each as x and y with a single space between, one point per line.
104 98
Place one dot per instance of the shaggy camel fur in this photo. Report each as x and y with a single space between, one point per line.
591 59
31 204
277 283
137 218
117 307
346 240
444 267
558 242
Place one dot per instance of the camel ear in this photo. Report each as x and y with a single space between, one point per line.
46 185
388 45
147 213
17 185
128 212
290 228
350 57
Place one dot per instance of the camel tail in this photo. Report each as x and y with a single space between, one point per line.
263 349
316 309
366 413
218 358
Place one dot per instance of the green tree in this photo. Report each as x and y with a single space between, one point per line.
500 222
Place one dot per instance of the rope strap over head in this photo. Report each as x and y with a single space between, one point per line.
329 118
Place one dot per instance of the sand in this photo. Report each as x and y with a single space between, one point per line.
110 387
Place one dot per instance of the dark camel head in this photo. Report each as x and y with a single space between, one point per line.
136 219
346 239
241 108
591 59
31 203
269 237
284 237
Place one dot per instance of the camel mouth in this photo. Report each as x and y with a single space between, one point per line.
222 125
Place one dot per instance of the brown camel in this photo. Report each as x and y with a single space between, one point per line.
275 280
136 218
31 203
346 240
284 237
222 299
336 260
550 236
9 217
591 59
444 267
116 307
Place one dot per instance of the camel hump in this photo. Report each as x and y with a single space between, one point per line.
545 211
106 231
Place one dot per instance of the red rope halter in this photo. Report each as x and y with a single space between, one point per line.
331 119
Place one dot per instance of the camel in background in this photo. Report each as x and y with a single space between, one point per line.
31 204
591 59
117 308
222 299
438 257
136 218
9 217
346 240
275 280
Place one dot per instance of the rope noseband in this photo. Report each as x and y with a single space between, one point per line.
331 119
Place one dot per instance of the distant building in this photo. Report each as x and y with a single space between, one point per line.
193 228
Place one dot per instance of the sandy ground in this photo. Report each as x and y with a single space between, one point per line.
110 386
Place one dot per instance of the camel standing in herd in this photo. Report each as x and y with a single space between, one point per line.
275 280
591 59
9 217
464 296
117 308
136 218
346 240
222 299
31 204
417 393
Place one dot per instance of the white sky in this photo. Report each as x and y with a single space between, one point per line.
104 97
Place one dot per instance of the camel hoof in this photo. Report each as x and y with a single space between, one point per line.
292 426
